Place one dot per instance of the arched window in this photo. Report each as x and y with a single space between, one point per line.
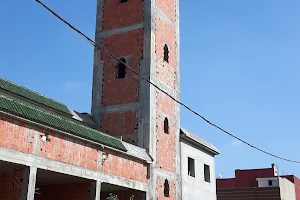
166 126
121 68
166 53
166 188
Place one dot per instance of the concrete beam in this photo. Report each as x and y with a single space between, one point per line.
165 174
165 17
17 157
119 108
119 30
28 184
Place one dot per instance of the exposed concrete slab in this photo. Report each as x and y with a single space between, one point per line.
17 157
198 141
137 152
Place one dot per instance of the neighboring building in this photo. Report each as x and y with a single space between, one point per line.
130 143
198 167
258 184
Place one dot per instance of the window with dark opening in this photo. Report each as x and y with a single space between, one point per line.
166 126
206 173
270 182
121 68
166 53
191 167
166 188
123 1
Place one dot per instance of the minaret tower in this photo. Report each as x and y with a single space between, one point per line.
145 35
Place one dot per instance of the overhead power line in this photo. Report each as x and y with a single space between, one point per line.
177 101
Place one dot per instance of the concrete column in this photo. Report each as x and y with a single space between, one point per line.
28 184
95 190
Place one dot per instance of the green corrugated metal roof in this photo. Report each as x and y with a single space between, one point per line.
32 96
59 123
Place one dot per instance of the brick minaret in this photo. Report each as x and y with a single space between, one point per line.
144 34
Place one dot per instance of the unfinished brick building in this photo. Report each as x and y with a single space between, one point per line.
130 143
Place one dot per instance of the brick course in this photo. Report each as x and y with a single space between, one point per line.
124 166
160 190
16 135
165 146
119 123
68 150
116 14
121 91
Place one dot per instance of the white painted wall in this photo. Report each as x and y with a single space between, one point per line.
287 189
195 188
264 182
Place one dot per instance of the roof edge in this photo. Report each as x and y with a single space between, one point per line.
199 142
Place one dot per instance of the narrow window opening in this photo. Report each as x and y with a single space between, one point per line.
121 69
166 53
206 173
270 182
166 188
123 1
191 167
166 126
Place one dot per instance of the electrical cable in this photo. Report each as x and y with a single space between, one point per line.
89 40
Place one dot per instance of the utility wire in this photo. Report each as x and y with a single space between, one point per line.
89 40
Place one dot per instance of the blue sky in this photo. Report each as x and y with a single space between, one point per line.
239 68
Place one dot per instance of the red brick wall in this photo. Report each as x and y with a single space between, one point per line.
118 14
119 123
297 187
10 184
166 153
121 91
165 145
19 136
73 191
166 73
168 7
123 166
160 190
16 135
68 150
165 34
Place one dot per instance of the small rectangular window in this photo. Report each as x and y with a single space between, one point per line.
123 1
206 173
191 167
270 182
